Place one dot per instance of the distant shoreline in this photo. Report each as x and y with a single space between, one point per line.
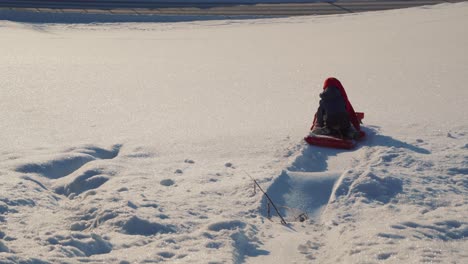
210 8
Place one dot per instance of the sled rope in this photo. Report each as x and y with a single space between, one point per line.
269 199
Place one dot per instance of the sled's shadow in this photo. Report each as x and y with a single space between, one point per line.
374 139
308 183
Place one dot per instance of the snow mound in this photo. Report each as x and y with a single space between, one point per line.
81 244
371 187
57 167
68 162
6 203
81 181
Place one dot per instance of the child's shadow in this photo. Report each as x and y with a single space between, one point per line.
314 159
374 139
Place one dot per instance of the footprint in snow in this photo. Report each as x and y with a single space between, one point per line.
3 248
309 248
229 165
167 182
384 256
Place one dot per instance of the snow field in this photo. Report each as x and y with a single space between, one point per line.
132 143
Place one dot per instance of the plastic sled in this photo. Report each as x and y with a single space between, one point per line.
335 142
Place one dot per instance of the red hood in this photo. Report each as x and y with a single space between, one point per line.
335 83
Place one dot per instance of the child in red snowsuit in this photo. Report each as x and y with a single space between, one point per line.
335 115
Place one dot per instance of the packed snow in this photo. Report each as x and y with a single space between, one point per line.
138 142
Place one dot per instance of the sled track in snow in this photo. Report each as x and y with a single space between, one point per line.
311 182
305 186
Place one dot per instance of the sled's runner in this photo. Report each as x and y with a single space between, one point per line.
329 141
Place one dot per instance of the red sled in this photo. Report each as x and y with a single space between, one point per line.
335 142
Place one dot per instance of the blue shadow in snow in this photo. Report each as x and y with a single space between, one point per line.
307 183
301 192
373 139
245 248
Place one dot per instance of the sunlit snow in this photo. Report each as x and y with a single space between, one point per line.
134 142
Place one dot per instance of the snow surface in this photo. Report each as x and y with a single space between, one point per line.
134 142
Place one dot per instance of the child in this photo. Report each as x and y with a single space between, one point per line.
335 115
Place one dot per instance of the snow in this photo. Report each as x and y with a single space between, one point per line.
134 142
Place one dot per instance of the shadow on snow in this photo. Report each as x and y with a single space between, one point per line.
306 185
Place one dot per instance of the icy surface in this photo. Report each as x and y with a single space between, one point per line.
134 142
